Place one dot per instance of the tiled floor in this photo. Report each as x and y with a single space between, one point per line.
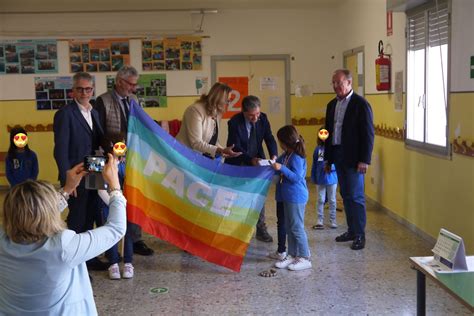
375 281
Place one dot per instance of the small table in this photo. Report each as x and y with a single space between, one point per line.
423 270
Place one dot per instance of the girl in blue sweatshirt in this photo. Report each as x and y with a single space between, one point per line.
21 163
292 191
326 183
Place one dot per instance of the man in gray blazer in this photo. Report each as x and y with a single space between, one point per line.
114 109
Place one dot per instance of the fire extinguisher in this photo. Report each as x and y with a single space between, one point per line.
383 70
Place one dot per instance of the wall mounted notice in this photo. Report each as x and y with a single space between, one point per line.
28 57
98 55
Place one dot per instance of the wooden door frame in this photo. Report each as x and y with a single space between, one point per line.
284 58
356 51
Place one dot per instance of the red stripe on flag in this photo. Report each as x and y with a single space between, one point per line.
183 241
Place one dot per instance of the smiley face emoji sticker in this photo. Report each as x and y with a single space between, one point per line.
20 140
120 149
323 134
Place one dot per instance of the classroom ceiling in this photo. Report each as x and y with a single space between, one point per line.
52 6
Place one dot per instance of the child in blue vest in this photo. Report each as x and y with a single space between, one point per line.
21 162
326 183
293 193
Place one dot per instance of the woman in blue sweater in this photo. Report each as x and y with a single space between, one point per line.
292 191
21 163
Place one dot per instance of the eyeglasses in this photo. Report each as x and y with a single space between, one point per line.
130 83
82 90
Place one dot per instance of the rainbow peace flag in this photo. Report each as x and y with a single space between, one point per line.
203 206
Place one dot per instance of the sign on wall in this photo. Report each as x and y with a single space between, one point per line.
52 93
151 90
28 57
98 55
181 53
240 89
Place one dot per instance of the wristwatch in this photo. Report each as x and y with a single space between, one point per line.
114 191
63 193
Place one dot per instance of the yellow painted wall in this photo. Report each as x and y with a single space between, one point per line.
428 191
24 112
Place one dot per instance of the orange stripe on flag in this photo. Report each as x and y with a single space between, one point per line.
159 213
183 241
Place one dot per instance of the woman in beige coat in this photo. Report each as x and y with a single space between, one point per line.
200 126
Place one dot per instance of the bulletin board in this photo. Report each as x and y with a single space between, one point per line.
98 55
52 93
28 57
151 90
180 53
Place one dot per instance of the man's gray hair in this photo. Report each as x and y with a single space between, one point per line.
346 72
81 76
250 102
126 72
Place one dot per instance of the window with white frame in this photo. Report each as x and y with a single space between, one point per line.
427 77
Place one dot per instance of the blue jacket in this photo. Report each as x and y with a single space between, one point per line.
23 167
292 186
73 138
318 175
238 136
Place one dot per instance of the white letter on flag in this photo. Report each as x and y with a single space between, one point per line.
193 192
223 202
154 164
174 180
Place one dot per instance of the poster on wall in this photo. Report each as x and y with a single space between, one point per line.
151 90
180 53
98 55
240 89
52 93
28 57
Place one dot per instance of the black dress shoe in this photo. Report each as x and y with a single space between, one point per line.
358 243
345 237
263 235
96 265
140 248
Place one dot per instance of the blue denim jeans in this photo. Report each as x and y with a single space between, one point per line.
351 186
331 197
281 230
294 222
113 254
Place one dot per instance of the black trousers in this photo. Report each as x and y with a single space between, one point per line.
84 210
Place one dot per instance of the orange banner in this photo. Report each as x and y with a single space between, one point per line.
240 89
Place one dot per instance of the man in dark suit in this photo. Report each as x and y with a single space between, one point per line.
349 121
247 131
77 133
114 109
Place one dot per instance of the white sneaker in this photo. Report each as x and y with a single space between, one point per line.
283 264
114 272
333 224
300 264
277 255
127 271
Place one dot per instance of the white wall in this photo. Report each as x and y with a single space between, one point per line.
462 44
312 37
